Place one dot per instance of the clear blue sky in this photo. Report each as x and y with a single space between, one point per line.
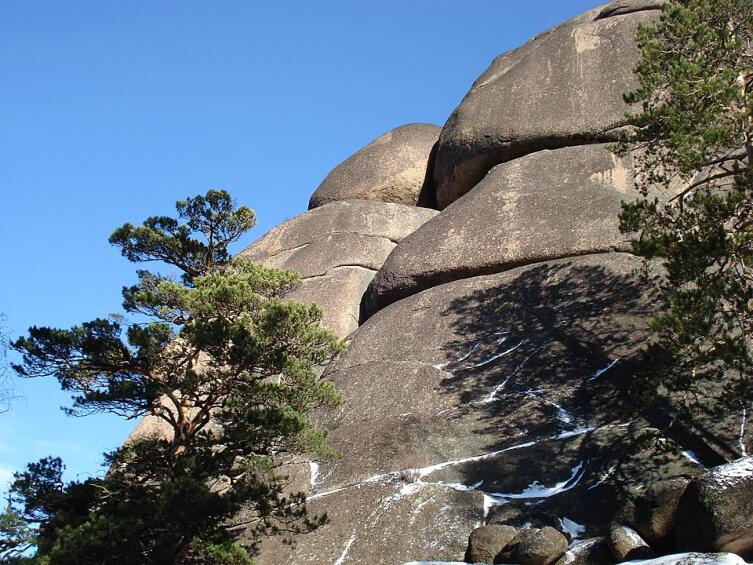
110 111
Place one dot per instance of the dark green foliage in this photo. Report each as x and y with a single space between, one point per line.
220 358
693 138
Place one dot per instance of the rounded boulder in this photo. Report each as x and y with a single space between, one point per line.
392 168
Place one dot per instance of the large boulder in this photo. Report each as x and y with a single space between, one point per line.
337 249
392 168
547 205
544 547
480 393
486 542
564 87
716 511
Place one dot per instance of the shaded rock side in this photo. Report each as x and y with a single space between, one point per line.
547 205
716 511
392 168
482 393
337 249
564 87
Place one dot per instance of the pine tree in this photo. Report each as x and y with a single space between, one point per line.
695 130
224 360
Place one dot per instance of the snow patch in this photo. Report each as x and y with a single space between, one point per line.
693 559
691 456
314 473
732 473
575 530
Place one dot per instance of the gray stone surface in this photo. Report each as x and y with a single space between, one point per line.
493 390
337 249
716 511
656 512
542 548
547 205
392 168
486 542
562 88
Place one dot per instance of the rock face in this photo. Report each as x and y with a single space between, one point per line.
716 511
392 168
337 249
481 393
563 88
547 205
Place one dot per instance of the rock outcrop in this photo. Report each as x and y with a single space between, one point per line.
490 359
337 249
392 168
564 87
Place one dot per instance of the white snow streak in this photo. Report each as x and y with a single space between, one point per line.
536 490
495 357
600 372
344 554
743 452
460 359
573 528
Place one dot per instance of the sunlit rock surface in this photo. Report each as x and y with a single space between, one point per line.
337 248
392 168
562 88
547 205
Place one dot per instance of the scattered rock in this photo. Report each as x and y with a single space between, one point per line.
392 168
564 87
486 542
593 551
716 511
543 547
627 545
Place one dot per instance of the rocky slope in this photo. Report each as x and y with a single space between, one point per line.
491 343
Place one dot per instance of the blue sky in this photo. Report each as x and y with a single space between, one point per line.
111 111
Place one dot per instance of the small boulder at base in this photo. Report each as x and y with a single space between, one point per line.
716 511
593 551
655 511
627 545
392 168
544 547
486 542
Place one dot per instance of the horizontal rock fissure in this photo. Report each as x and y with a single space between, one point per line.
504 150
425 282
625 10
347 266
325 236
